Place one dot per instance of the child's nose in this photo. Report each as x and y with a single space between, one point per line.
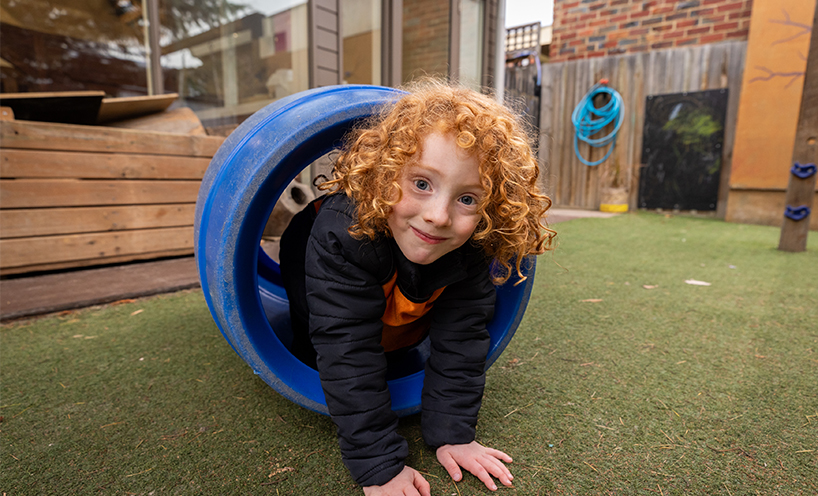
437 213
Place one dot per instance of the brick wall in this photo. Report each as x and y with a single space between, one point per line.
425 38
599 28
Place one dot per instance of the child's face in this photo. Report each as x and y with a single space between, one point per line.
438 210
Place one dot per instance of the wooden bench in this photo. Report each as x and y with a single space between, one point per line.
76 196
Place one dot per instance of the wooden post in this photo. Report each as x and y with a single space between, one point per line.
801 188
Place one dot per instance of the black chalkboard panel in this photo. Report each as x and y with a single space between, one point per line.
682 150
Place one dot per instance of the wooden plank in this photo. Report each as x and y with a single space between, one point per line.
18 223
65 137
49 164
74 264
60 249
114 109
73 107
545 138
50 94
801 191
28 193
736 56
182 120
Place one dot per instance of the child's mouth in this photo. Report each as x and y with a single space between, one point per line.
433 240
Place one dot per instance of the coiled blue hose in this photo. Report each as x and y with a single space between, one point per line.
589 120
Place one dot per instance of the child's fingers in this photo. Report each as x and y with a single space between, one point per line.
499 454
422 485
481 473
451 466
496 468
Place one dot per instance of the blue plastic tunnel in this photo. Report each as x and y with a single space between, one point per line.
242 285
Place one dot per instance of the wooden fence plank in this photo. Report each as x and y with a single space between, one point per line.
59 249
151 255
18 223
50 164
67 137
28 193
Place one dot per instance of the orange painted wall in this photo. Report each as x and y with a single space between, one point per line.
777 50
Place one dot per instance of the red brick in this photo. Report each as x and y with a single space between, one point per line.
640 48
576 43
662 27
742 33
619 18
585 17
711 2
638 32
712 37
568 36
725 26
686 41
663 44
687 23
643 13
698 31
674 34
570 5
702 12
714 19
618 2
729 7
662 10
600 22
610 44
596 54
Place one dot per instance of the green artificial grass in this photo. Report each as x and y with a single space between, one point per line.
622 379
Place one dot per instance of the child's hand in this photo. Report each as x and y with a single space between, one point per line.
407 483
481 461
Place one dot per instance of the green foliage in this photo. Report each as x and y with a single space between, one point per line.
694 127
607 387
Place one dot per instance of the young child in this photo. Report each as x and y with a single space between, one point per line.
422 199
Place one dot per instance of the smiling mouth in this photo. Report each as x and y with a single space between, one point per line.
433 240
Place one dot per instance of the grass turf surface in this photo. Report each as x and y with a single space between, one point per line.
607 387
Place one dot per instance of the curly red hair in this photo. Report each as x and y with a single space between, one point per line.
512 223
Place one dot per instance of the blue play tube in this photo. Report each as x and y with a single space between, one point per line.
242 285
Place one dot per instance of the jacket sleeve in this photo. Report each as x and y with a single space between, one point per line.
455 371
346 302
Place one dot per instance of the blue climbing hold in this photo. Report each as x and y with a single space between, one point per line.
797 213
803 171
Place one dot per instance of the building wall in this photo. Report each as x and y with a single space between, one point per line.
425 38
598 28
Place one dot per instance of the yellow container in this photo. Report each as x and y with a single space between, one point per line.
613 207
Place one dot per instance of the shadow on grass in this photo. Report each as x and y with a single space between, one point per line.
622 378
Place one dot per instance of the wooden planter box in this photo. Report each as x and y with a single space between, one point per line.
76 196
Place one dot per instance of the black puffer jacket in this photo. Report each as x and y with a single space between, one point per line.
345 300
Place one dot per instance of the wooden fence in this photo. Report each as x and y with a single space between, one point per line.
573 184
75 196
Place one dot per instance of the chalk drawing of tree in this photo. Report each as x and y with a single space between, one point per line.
801 30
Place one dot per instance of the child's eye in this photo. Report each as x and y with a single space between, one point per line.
469 201
421 184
